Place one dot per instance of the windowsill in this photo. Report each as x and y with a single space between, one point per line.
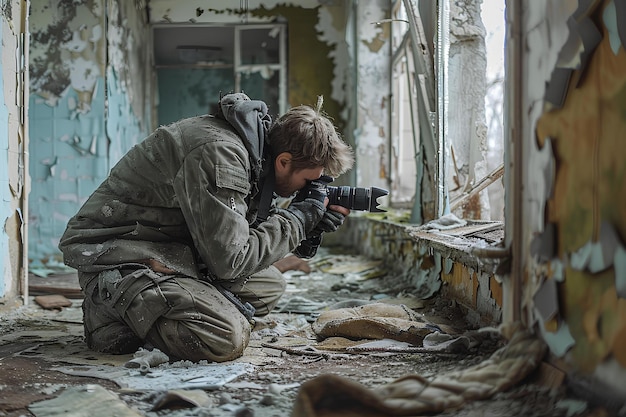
477 243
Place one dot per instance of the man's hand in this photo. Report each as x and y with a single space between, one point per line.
333 218
309 211
157 266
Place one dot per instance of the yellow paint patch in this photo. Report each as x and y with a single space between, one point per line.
462 285
496 291
594 315
551 325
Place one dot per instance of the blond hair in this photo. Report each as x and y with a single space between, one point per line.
310 137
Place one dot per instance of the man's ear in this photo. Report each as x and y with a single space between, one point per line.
282 162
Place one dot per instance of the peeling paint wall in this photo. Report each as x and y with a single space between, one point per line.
68 145
373 93
130 97
575 177
84 115
13 139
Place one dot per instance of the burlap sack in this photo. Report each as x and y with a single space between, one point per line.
373 321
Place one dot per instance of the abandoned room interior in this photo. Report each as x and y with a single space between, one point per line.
491 283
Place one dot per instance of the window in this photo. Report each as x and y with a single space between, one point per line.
446 115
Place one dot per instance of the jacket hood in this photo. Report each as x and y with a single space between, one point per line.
251 121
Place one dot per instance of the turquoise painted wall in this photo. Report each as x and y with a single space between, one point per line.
123 127
68 160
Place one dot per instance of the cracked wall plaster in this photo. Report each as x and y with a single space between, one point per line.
373 69
129 74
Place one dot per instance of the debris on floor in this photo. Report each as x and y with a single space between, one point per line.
345 333
333 395
175 376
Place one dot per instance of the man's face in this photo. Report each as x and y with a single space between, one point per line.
289 181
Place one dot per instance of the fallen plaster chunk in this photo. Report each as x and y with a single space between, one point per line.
375 321
302 305
145 359
382 345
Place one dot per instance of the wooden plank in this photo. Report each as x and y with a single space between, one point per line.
53 301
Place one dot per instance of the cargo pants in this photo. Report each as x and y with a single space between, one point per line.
183 317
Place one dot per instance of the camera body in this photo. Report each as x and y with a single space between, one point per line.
353 198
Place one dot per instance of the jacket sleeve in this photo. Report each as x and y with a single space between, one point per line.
212 186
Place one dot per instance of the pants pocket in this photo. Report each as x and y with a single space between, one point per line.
136 297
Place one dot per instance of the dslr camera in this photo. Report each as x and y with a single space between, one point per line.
354 198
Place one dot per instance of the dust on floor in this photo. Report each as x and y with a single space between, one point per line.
46 369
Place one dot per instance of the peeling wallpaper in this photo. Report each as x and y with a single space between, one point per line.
577 175
67 49
68 144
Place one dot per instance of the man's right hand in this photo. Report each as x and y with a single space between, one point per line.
333 218
309 211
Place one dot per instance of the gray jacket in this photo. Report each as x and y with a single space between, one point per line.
185 196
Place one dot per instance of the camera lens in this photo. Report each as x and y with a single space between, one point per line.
356 198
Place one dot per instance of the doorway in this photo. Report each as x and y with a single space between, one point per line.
195 64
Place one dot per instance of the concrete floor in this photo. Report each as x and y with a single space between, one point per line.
46 370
